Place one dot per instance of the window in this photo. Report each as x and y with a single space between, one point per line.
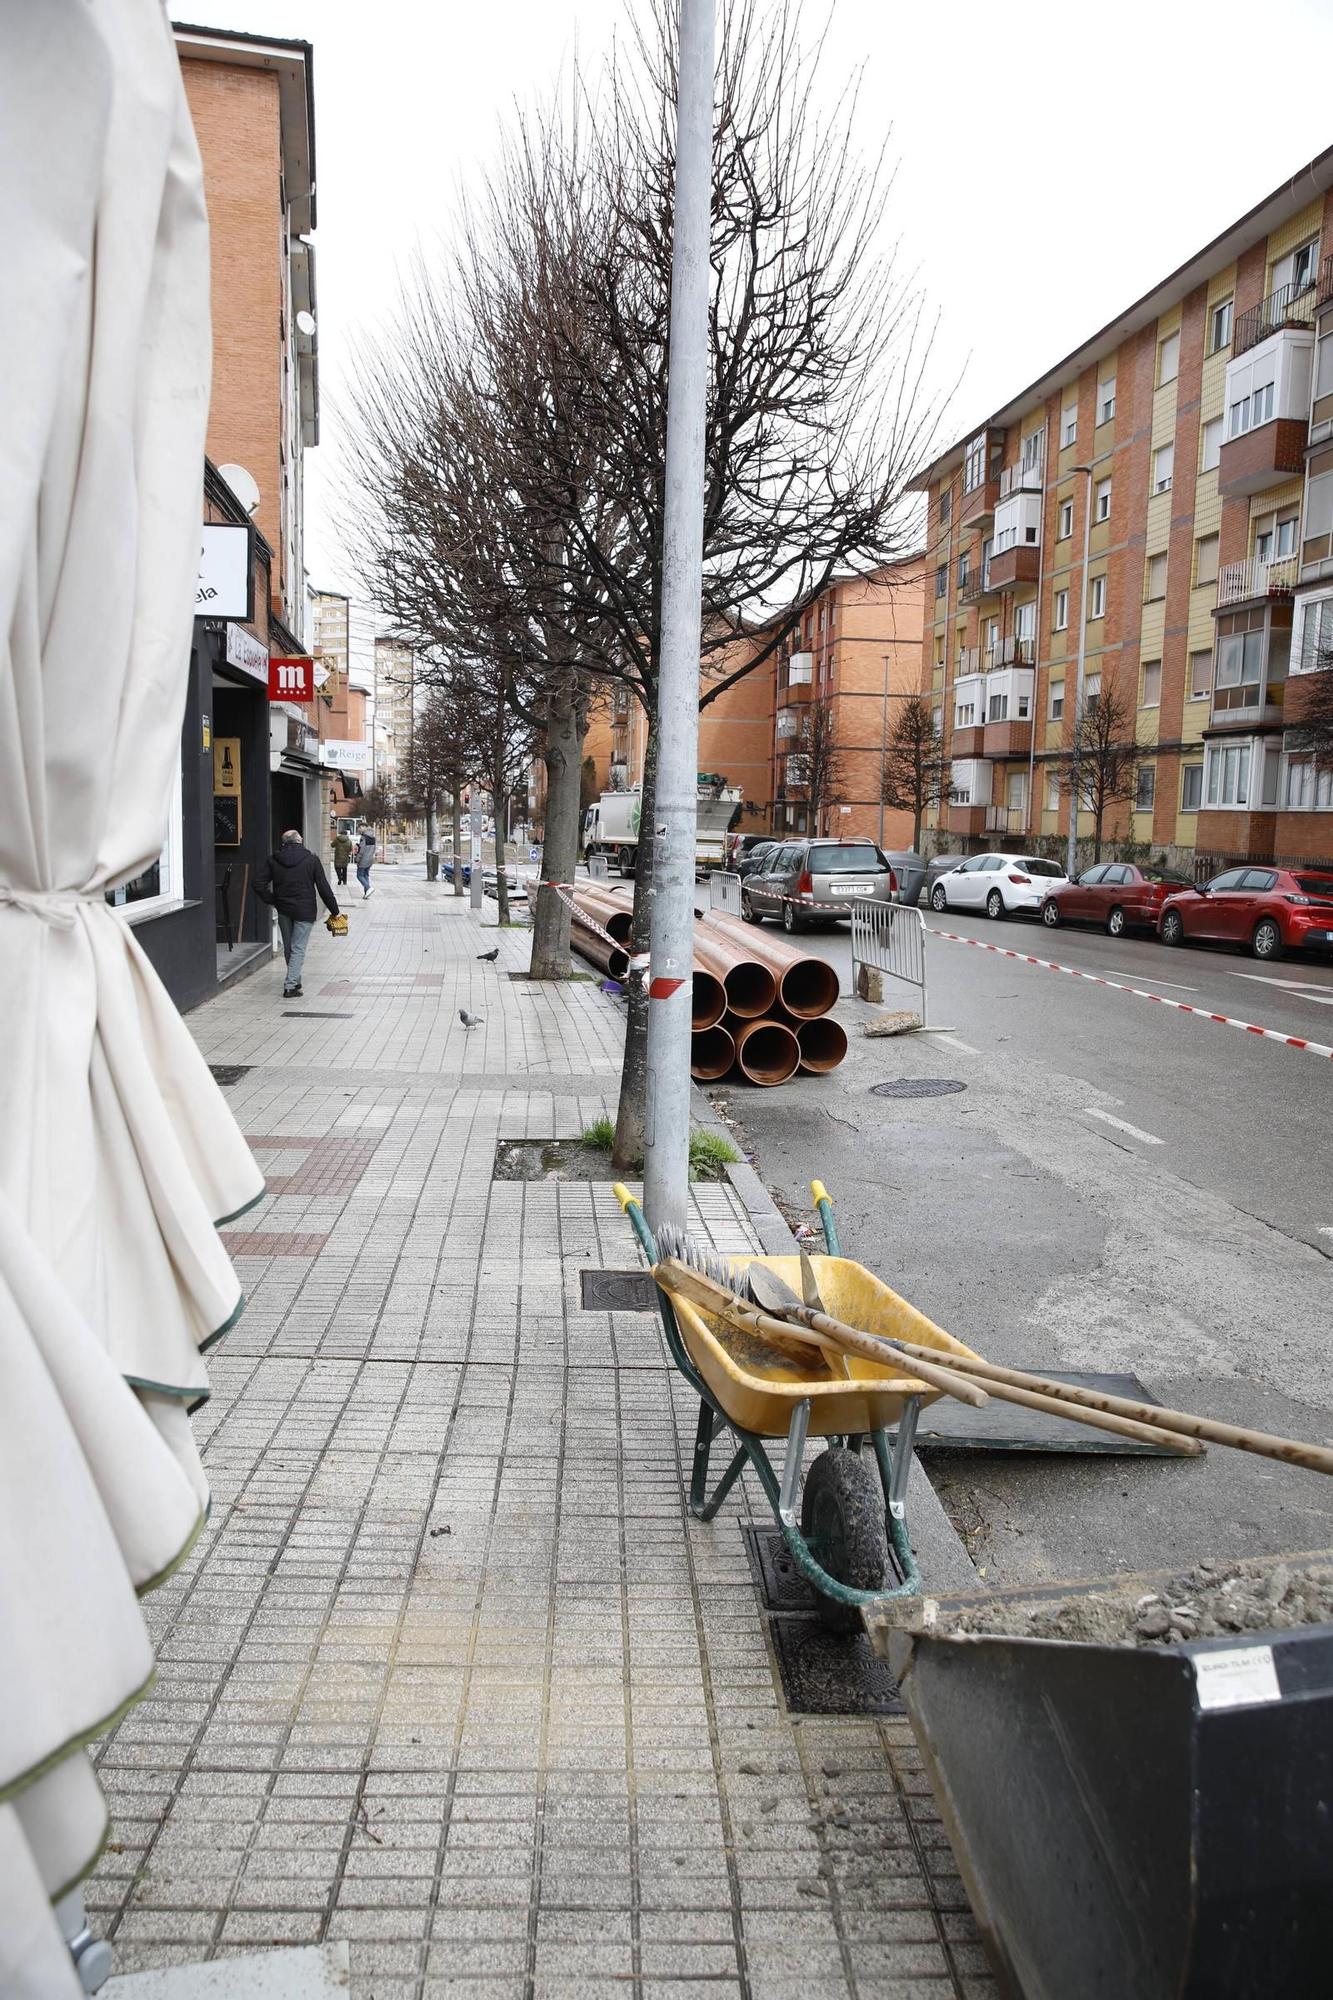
1061 610
974 464
1205 559
998 708
1055 706
1024 706
1156 582
1025 622
1106 400
1066 523
1212 444
939 655
1316 649
1092 693
941 579
1163 465
1219 327
1191 784
1308 789
1227 774
946 505
1146 789
937 720
964 567
1052 791
1152 684
1101 500
1248 412
1097 608
1034 450
1068 425
1285 536
163 881
1168 359
1240 670
1201 675
1297 270
964 714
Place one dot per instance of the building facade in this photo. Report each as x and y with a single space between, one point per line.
395 712
1166 494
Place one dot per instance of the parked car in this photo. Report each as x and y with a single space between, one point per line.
741 846
910 870
807 881
753 857
1263 910
1000 884
941 865
1115 894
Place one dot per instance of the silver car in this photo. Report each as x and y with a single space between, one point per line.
805 882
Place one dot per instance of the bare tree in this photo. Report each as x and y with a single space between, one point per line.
1108 757
1311 711
824 764
378 804
916 771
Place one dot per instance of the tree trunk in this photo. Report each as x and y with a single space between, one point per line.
562 754
456 806
430 826
632 1110
916 829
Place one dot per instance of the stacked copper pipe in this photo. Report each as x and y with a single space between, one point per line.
757 1003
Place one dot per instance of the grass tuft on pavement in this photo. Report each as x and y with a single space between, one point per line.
710 1152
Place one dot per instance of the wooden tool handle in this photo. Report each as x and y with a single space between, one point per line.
1289 1451
674 1276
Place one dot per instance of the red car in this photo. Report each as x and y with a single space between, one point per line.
1263 910
1114 894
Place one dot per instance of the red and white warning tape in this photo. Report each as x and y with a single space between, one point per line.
1139 993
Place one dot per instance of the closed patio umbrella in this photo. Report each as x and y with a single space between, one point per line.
118 1157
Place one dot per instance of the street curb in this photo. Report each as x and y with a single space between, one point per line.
940 1549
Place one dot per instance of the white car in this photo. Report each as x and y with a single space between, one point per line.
1000 884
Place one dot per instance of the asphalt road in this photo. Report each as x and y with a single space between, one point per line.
1119 1186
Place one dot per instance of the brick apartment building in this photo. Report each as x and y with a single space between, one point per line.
855 654
341 715
1189 444
248 767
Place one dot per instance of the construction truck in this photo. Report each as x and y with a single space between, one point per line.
611 826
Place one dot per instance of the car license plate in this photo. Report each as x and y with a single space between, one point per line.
852 888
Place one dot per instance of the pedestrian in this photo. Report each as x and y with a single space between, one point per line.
342 854
365 854
289 881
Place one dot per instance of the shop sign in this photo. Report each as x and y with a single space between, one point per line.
223 586
301 739
291 678
343 753
245 652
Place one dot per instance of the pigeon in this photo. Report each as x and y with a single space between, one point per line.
489 957
469 1020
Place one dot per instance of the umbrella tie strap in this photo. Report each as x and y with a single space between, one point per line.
54 906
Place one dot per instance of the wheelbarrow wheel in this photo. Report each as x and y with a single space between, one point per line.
842 1519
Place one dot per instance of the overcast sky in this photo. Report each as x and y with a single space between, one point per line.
1052 164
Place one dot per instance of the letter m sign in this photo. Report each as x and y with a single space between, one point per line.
291 679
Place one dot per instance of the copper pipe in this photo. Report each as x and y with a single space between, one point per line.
767 1052
807 986
823 1044
751 988
712 1053
612 916
708 1000
613 960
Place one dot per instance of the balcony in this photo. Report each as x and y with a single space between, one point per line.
1288 306
1020 479
1248 705
1250 667
1267 401
969 798
976 584
1011 652
1019 564
967 821
800 670
981 477
1008 714
1006 819
1252 580
788 723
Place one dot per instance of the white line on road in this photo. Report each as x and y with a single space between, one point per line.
1306 989
957 1042
1123 1125
1175 984
1326 1231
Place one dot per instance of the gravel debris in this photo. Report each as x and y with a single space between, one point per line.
1211 1601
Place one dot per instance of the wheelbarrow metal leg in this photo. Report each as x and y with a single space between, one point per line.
705 1509
710 1423
791 1464
902 1457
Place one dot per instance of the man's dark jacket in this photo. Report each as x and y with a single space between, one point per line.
290 879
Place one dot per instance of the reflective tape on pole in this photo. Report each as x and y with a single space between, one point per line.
662 989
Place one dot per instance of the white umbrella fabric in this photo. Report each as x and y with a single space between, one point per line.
118 1156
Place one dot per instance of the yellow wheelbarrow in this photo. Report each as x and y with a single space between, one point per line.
850 1524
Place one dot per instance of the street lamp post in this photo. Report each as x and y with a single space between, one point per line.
1075 761
883 746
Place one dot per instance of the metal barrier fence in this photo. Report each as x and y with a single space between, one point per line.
724 891
891 939
599 868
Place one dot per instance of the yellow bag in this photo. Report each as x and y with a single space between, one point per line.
337 926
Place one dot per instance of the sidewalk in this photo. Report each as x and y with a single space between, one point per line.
453 1675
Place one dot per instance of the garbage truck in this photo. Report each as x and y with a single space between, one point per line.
611 826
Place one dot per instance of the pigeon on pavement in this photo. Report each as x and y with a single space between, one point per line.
469 1020
489 957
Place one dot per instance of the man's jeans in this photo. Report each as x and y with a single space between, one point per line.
363 877
295 937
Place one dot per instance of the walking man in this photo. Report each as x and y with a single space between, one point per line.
365 855
342 854
289 881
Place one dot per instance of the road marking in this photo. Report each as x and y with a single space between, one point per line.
1123 1125
955 1042
1304 989
1175 984
1139 993
1326 1231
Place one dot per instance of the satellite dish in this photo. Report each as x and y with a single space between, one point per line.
242 484
305 322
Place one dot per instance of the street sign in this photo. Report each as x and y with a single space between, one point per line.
223 586
291 678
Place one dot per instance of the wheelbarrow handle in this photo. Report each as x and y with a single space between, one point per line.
819 1194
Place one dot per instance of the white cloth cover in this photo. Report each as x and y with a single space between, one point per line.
118 1155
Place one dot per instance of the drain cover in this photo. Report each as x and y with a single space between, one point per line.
229 1072
617 1291
918 1086
313 1014
822 1672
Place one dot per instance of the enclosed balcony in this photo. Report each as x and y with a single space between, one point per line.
969 714
981 476
800 670
1250 668
1267 413
788 723
1008 723
1016 553
969 796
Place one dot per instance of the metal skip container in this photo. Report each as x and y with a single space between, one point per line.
1135 1822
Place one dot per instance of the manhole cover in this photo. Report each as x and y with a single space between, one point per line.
617 1291
313 1014
225 1073
918 1086
822 1672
